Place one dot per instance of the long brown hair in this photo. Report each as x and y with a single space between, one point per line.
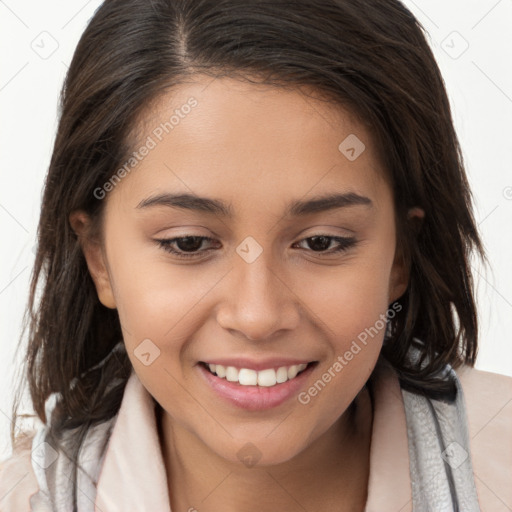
370 56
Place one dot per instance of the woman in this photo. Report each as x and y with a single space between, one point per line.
255 240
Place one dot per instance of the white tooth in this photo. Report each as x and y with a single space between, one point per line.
231 374
282 374
220 370
292 371
247 377
267 377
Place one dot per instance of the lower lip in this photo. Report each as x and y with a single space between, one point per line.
255 398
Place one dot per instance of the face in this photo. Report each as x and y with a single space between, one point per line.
260 273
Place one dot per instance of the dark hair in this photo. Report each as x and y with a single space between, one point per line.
370 56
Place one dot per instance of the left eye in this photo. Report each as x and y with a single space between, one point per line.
188 246
320 242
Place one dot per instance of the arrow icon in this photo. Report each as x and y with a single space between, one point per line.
247 252
454 44
147 352
351 147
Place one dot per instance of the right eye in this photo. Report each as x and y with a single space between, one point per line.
185 246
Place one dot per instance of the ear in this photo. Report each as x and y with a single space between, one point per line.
400 271
94 256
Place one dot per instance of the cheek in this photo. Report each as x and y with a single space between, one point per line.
350 311
167 304
159 304
152 294
350 297
350 305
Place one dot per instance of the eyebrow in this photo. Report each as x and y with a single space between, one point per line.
217 207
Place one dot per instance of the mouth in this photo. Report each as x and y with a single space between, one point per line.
255 390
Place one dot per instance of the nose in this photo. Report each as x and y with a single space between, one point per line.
258 300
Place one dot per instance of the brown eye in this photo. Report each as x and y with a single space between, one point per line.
321 243
189 243
185 246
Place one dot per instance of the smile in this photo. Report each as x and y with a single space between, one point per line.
256 390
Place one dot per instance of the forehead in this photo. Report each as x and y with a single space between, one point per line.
250 142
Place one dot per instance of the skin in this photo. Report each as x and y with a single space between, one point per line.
257 148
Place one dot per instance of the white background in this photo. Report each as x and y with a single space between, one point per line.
479 83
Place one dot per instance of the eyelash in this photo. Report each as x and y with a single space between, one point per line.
345 243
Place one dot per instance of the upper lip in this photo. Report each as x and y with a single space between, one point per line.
257 365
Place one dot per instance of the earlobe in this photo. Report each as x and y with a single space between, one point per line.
415 218
399 277
400 272
94 256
